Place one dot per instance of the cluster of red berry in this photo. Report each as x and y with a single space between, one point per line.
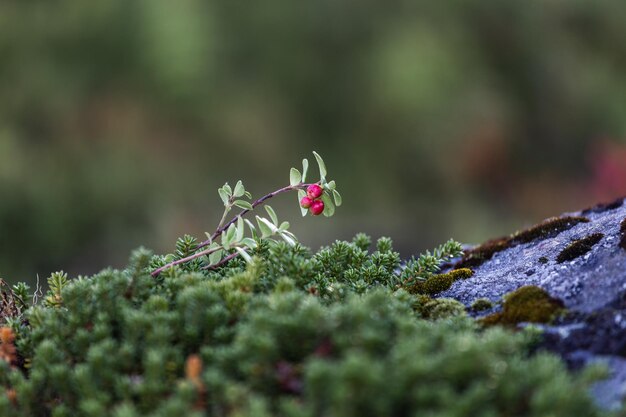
312 199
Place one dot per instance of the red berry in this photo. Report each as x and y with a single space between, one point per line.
314 191
306 202
317 207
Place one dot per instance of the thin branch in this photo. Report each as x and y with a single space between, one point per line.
222 262
221 230
256 203
156 272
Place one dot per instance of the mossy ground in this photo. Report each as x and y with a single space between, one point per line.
258 341
481 304
440 282
579 247
526 304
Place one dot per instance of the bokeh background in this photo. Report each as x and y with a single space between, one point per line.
462 118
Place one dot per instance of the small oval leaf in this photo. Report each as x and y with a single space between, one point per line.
264 226
243 204
337 198
294 177
302 193
329 206
288 239
239 189
240 229
215 257
320 164
249 243
244 254
305 168
223 195
272 215
230 233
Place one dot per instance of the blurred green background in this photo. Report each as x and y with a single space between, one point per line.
462 118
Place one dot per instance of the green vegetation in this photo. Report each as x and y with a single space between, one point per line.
438 283
481 304
526 304
291 333
579 247
441 118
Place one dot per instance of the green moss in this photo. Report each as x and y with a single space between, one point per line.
481 304
543 260
440 282
482 253
579 247
526 304
546 229
443 308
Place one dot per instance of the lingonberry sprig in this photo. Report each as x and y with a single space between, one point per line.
239 235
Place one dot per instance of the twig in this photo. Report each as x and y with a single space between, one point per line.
221 230
156 272
222 262
256 203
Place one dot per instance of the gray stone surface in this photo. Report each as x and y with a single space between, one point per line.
592 286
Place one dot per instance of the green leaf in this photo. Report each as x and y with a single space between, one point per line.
243 204
337 198
288 239
228 236
216 256
240 229
294 177
283 226
248 195
329 206
249 243
228 190
331 185
272 214
305 168
209 238
244 254
223 195
239 189
251 226
320 164
265 226
302 193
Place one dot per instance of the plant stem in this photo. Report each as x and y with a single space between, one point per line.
156 272
222 262
221 229
256 203
223 219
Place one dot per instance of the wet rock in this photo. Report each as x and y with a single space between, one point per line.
578 258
